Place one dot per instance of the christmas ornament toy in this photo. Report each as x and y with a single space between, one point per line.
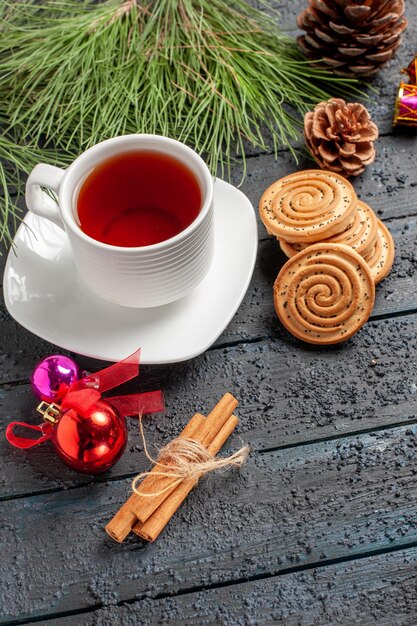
53 375
411 71
88 432
90 439
406 103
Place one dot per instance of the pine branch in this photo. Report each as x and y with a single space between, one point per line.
216 75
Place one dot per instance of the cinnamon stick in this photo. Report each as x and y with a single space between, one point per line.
121 524
153 526
143 506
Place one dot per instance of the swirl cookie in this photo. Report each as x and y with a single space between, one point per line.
291 249
381 257
361 234
308 206
324 294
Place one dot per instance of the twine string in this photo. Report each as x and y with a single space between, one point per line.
184 458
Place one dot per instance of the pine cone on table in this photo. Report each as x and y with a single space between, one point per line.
353 37
340 136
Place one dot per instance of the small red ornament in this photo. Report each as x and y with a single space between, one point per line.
89 433
90 441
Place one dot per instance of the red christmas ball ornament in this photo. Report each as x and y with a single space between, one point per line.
89 440
88 433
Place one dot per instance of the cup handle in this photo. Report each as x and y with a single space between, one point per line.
37 200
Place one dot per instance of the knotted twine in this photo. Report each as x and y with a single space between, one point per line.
184 458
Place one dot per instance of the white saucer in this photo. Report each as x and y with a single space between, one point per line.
44 294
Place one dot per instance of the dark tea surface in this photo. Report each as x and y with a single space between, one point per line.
138 199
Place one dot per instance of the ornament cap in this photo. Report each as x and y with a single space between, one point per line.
49 411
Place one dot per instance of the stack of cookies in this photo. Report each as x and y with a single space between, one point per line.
338 251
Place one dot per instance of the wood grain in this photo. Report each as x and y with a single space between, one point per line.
288 394
373 591
255 319
319 488
284 510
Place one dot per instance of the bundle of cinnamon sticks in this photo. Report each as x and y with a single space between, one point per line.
148 511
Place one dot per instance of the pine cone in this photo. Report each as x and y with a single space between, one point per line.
340 136
353 37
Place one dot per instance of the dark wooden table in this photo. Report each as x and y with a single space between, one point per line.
320 527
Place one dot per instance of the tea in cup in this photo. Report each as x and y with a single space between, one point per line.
138 213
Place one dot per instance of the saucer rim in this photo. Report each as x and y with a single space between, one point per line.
146 361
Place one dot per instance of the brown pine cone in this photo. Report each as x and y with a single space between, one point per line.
353 37
340 136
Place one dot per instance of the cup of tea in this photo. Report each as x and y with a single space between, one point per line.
138 213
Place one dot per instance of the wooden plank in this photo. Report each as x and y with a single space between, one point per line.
374 591
388 185
256 318
328 500
283 510
288 394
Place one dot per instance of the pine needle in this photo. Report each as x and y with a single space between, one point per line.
216 75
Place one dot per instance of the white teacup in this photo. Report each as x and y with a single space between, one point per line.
144 276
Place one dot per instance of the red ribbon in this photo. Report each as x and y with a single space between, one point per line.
26 442
85 392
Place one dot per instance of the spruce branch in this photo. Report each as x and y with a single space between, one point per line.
216 75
